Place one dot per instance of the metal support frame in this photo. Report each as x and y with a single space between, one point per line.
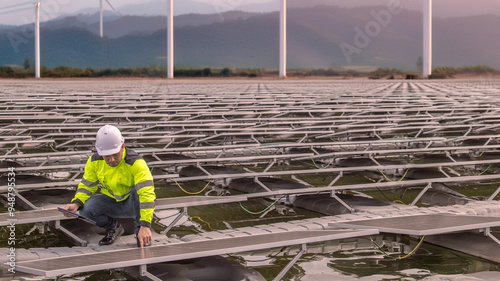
374 161
270 165
252 137
181 214
429 144
256 179
487 232
26 201
303 138
494 194
421 194
440 168
16 145
451 158
303 250
341 174
168 144
143 271
76 174
70 234
202 169
333 195
267 212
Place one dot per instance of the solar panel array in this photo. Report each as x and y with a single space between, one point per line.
257 129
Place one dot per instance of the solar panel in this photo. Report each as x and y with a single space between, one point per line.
424 224
181 251
161 204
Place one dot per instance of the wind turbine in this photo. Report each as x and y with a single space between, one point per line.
427 67
283 39
170 39
37 39
101 20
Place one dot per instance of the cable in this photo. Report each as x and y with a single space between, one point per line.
331 161
50 145
268 207
484 170
192 193
383 194
398 258
196 217
392 180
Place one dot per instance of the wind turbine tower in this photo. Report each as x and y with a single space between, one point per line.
37 39
101 24
101 29
170 39
427 67
283 39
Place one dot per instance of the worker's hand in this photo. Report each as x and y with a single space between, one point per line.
73 207
144 236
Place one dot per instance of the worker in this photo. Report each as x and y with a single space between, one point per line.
127 188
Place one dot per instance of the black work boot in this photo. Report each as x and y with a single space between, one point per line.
111 235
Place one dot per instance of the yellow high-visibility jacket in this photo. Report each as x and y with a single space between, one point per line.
117 182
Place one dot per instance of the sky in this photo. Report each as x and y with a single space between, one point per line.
20 12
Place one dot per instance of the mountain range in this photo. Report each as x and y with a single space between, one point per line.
318 37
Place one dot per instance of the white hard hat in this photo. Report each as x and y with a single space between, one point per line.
109 140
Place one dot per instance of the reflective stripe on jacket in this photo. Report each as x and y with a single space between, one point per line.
117 182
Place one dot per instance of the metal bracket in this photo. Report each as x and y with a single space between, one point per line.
429 144
374 161
202 169
421 194
487 232
181 214
451 158
12 149
256 179
143 271
270 165
267 212
26 201
494 194
252 137
70 234
303 250
303 138
333 195
169 143
76 175
341 174
443 172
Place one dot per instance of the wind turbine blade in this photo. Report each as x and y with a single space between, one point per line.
110 5
16 5
14 11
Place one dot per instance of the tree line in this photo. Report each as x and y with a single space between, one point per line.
155 71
